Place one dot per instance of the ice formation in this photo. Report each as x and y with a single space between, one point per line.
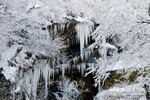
83 29
56 30
63 68
30 79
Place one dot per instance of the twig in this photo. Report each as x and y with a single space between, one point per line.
33 7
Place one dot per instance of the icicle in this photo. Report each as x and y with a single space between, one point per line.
63 27
63 71
35 81
86 53
99 87
53 71
75 60
64 67
31 79
49 76
79 67
83 66
55 29
45 74
83 30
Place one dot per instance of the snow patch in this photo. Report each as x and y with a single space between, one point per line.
130 92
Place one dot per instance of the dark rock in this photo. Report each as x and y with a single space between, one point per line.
43 28
29 55
85 96
146 87
54 87
5 88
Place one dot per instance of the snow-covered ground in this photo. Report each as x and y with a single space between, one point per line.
131 92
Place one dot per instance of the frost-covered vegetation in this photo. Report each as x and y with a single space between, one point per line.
43 40
124 25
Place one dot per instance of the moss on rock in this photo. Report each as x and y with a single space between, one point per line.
127 77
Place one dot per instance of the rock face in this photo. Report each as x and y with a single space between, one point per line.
5 88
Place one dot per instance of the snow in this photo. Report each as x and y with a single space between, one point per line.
104 49
32 16
81 20
10 73
130 92
69 88
20 29
121 20
17 90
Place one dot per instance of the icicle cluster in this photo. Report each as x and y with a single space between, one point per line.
56 30
29 80
83 29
